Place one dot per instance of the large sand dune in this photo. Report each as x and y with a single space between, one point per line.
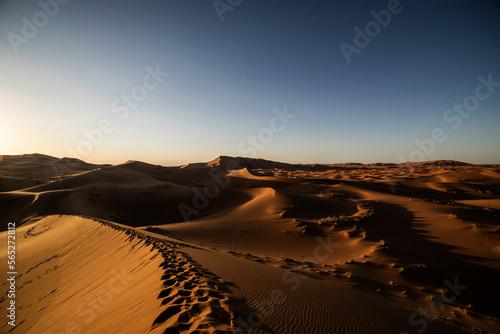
252 245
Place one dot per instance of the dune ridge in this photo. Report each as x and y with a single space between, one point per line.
175 292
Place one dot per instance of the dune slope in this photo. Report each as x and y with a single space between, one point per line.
253 244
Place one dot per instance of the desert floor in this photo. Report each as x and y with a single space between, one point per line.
250 245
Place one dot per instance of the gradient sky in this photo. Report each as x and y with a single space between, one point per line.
226 77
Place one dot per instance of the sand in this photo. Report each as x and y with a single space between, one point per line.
263 247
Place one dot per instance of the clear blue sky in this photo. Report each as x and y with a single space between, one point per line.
226 77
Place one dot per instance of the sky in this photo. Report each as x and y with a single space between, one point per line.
171 82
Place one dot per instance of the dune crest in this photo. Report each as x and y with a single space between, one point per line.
95 275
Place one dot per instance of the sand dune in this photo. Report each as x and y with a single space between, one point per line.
94 277
22 171
252 245
483 203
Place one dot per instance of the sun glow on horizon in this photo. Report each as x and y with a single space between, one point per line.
5 140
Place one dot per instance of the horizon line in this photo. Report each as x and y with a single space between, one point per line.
256 158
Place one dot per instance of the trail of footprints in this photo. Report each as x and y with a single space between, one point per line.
194 299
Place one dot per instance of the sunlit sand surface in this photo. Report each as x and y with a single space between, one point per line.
261 247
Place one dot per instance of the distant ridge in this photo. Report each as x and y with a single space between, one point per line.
448 163
43 159
231 163
36 156
258 163
228 162
135 162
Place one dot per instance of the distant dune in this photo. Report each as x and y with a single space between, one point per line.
251 245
